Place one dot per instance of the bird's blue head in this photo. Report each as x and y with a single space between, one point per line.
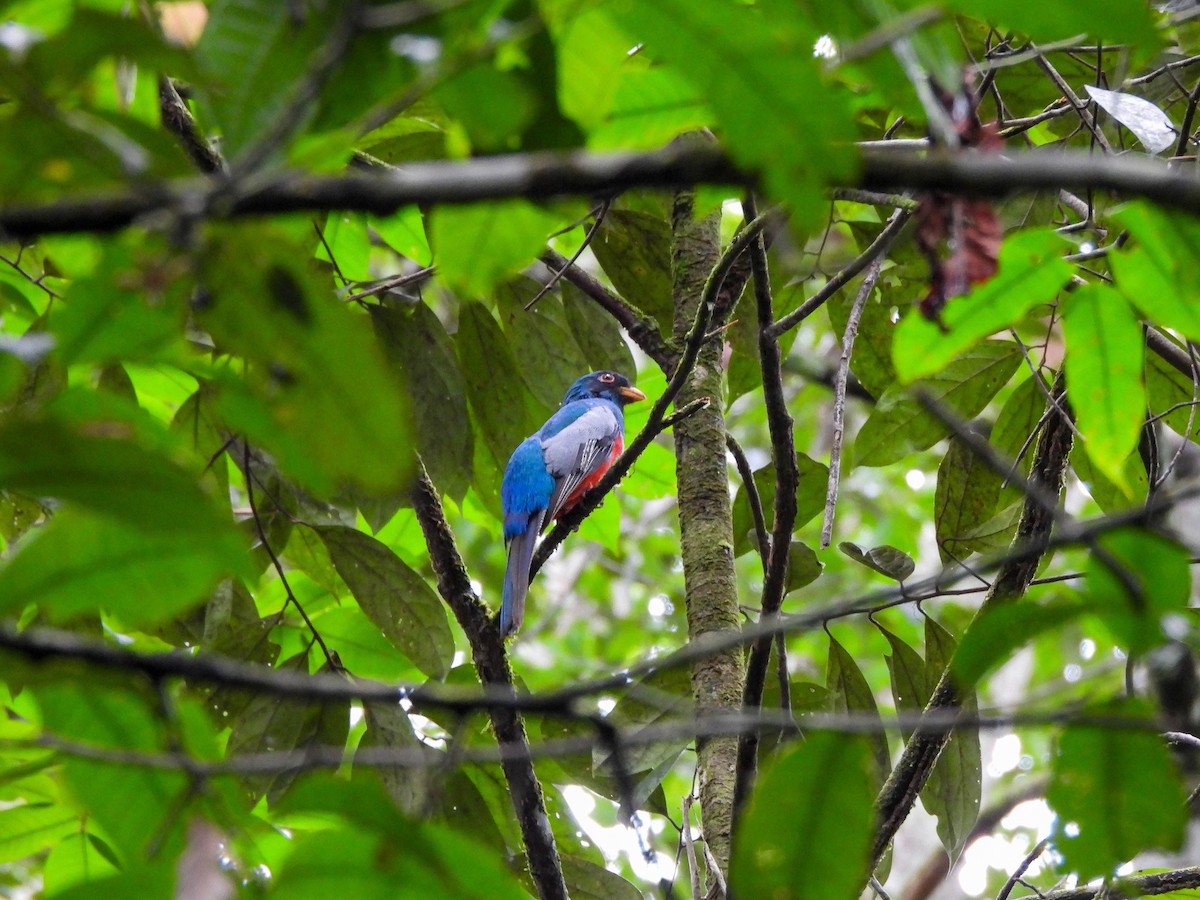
607 385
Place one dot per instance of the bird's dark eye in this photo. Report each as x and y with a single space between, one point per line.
608 378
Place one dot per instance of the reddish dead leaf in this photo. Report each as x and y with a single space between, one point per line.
959 236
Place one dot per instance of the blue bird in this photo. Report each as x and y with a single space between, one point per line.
552 469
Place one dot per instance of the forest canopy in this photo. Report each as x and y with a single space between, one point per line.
889 592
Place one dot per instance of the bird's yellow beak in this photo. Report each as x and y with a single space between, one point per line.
631 394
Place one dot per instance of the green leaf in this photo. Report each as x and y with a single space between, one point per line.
388 726
954 789
810 499
871 361
75 861
807 833
1112 19
767 74
803 566
129 802
886 560
394 597
1001 630
1116 792
28 828
549 358
333 413
1017 420
254 54
967 491
479 246
493 106
272 724
596 333
417 347
110 475
660 696
1104 368
1134 579
910 684
849 692
1167 387
1108 496
500 404
1031 272
82 562
129 308
1159 274
634 249
588 881
899 424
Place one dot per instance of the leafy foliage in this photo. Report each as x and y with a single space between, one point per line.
212 421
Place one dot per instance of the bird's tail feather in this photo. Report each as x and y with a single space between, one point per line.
516 577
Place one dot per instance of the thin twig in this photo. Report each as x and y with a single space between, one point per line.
839 398
331 658
751 489
689 844
555 275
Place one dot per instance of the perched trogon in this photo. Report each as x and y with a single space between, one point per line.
551 470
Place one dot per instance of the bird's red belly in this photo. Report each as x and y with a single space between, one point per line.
594 479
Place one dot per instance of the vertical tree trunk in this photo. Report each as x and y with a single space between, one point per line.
706 526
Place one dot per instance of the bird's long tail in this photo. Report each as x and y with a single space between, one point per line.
516 576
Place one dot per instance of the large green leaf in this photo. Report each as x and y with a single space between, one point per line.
77 860
83 562
660 696
1158 274
1031 272
1001 630
388 726
808 830
767 73
1104 370
634 249
130 802
589 881
394 597
500 403
955 786
549 358
1116 792
320 395
28 828
1134 579
899 424
418 348
477 247
254 53
967 491
596 332
273 724
850 692
109 475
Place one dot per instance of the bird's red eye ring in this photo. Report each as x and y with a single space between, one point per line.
608 378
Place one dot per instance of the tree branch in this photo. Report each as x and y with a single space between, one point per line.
900 792
541 176
1133 886
491 664
787 479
